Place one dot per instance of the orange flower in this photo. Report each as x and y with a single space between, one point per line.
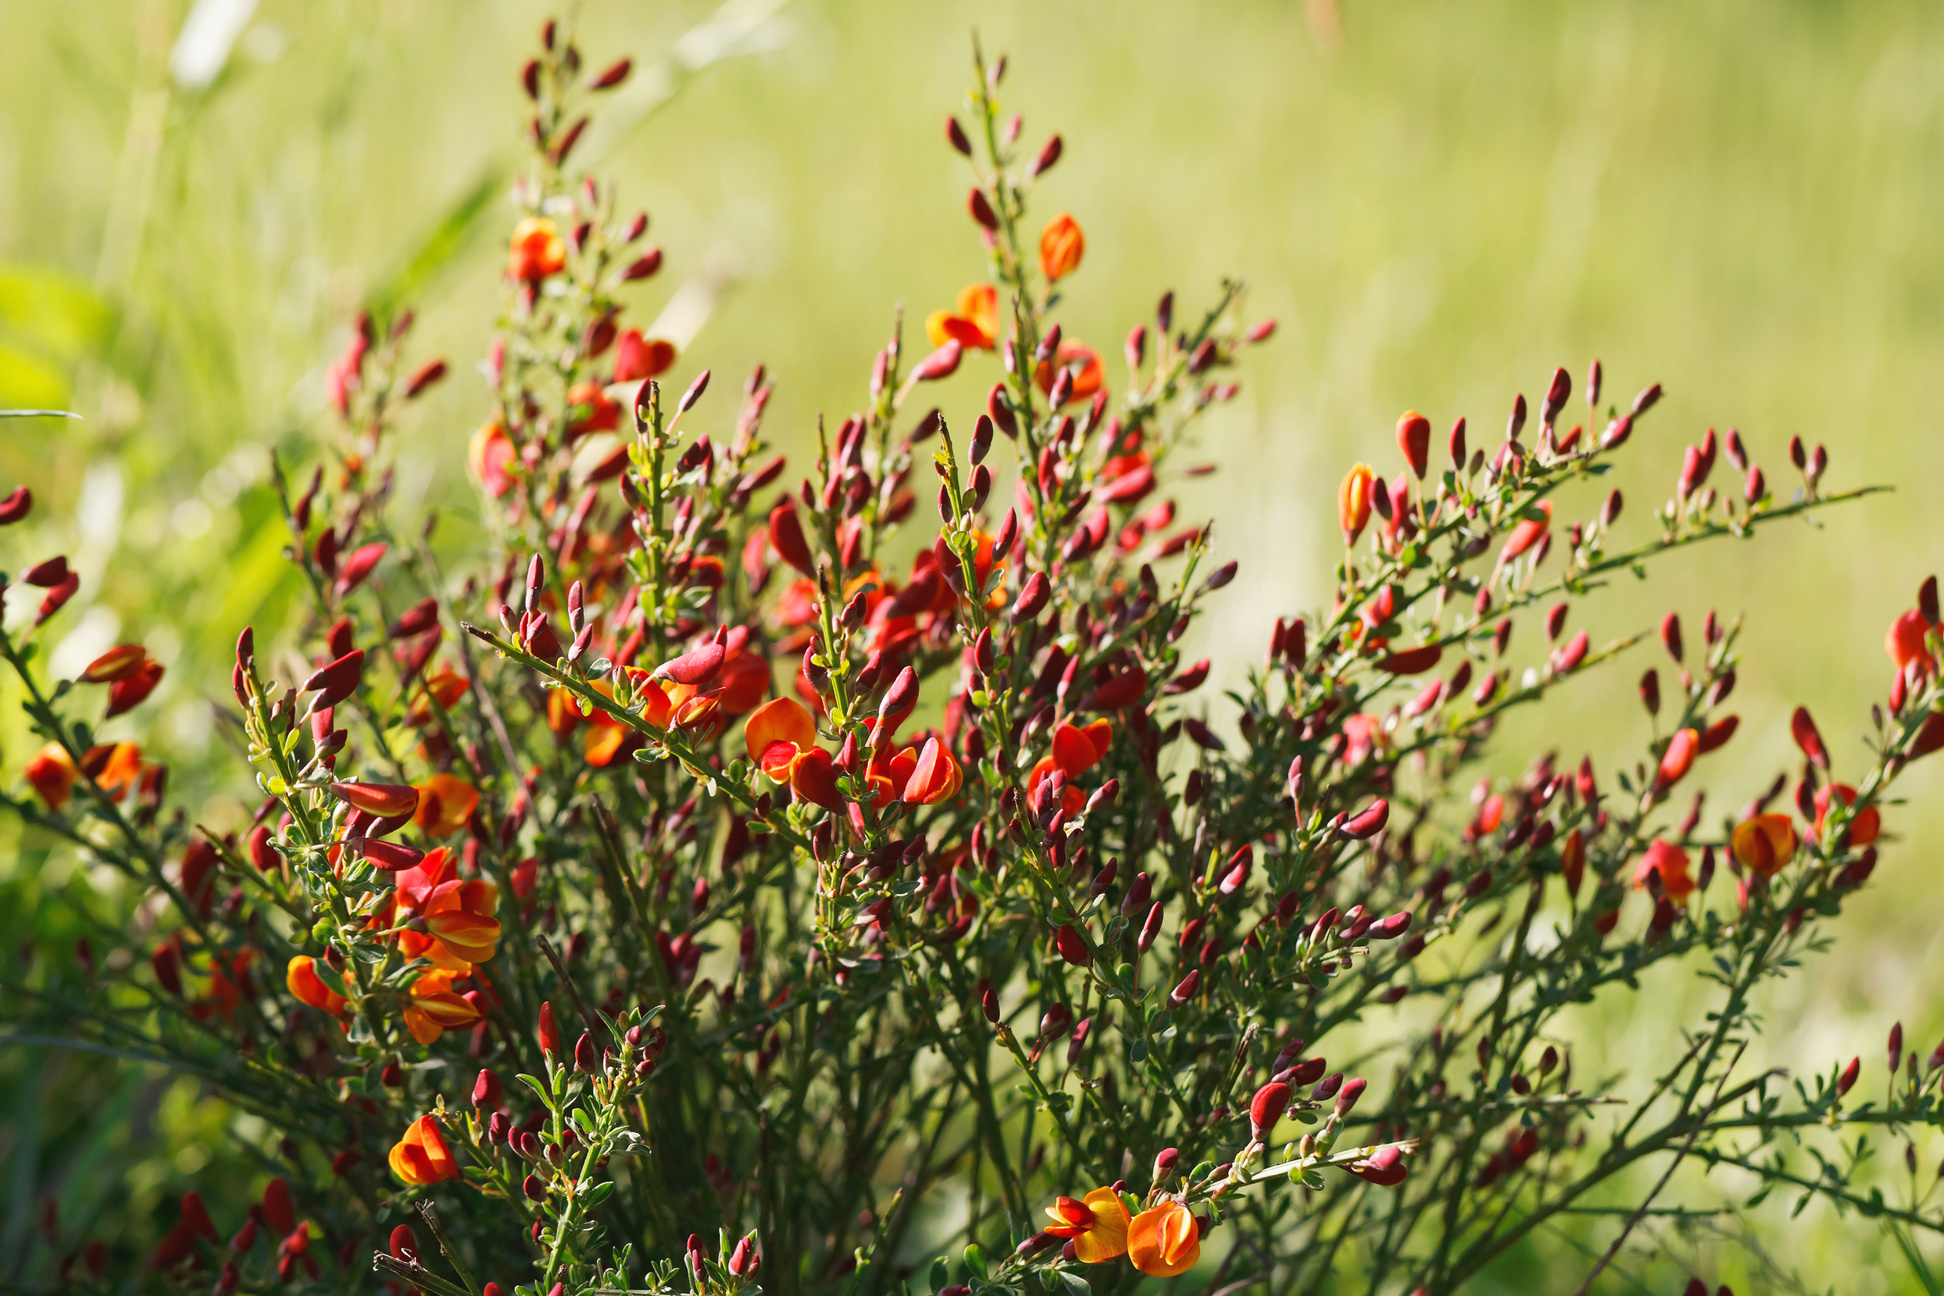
537 250
446 687
598 412
974 325
309 988
1353 501
778 734
1083 360
636 357
1863 828
53 774
782 738
1164 1240
464 923
1076 749
445 804
1764 844
435 1009
936 776
491 457
1671 862
114 767
1097 1224
1905 642
421 1156
1062 244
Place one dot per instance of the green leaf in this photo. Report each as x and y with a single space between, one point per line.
1075 1284
975 1258
941 1274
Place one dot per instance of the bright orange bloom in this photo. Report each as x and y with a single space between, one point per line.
1863 828
1097 1224
1062 244
491 457
598 411
301 976
782 738
53 774
421 1156
447 686
1905 642
537 250
1353 501
1083 359
1678 758
636 357
974 325
777 735
446 802
1671 862
435 1009
1076 749
115 767
935 777
1765 843
1164 1240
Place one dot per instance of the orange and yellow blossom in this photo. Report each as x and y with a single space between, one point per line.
1164 1240
421 1156
537 250
1062 244
1097 1224
300 975
446 802
1765 843
435 1009
974 325
782 738
1353 501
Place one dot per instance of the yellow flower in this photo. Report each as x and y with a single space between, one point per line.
1097 1224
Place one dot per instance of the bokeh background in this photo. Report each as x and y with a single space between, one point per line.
1438 203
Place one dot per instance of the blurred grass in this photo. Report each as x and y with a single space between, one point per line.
1438 202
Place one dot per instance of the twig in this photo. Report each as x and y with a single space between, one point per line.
1641 1210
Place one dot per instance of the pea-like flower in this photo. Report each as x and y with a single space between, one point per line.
1097 1225
1164 1240
421 1157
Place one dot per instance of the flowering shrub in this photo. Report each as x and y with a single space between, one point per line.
735 877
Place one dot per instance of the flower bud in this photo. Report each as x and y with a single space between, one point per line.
486 1091
1185 990
1267 1107
585 1058
1414 439
1847 1079
548 1032
1347 1097
1072 945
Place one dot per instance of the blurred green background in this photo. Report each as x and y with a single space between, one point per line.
1438 202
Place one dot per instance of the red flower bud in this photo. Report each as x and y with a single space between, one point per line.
1267 1107
1072 946
1368 822
549 1033
486 1091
